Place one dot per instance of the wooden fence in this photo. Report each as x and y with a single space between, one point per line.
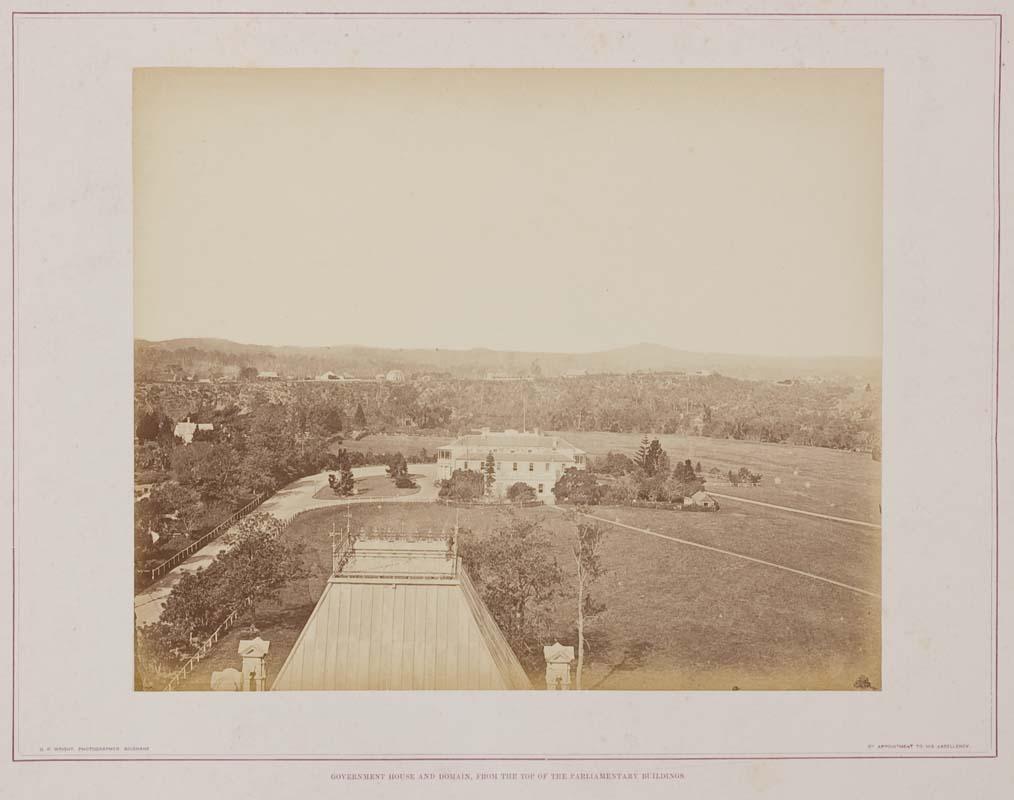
194 546
202 651
494 504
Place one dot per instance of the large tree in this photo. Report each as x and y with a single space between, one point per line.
655 460
578 486
517 575
359 420
397 467
196 605
641 456
174 509
463 485
489 473
345 484
520 493
588 569
209 468
258 563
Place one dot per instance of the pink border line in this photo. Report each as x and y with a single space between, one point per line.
745 16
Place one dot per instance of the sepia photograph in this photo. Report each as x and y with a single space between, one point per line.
507 379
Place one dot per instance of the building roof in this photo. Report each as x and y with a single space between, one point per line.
185 430
484 442
521 456
401 614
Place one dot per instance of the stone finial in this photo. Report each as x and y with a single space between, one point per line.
558 660
254 653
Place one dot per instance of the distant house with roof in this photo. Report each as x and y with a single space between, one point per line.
533 458
186 430
701 499
574 373
267 375
401 613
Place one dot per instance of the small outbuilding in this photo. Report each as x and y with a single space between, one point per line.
701 499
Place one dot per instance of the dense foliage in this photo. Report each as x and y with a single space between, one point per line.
520 493
195 486
830 413
464 485
517 576
616 479
253 570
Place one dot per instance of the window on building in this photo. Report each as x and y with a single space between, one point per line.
515 466
547 466
531 467
466 465
542 488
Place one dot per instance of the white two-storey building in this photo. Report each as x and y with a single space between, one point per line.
533 458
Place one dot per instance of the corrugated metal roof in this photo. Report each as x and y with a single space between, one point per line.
400 617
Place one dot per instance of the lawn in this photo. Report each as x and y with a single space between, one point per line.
376 486
407 444
677 617
836 482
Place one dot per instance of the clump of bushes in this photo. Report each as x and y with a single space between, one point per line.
463 486
520 493
744 476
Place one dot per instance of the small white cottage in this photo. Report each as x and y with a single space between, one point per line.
701 499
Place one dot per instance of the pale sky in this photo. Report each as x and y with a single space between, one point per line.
732 211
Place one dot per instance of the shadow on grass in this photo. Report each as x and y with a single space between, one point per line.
633 657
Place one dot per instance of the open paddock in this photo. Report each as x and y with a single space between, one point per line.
836 482
407 444
677 616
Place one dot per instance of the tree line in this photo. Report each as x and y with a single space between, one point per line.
195 486
257 565
618 479
837 414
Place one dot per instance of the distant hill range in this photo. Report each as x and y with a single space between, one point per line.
208 357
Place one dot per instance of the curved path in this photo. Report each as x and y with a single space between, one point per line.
284 504
796 510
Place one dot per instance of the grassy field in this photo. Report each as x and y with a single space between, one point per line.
836 482
677 617
405 443
374 486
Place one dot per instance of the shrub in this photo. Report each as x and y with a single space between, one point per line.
520 492
578 486
612 464
405 482
463 485
618 494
